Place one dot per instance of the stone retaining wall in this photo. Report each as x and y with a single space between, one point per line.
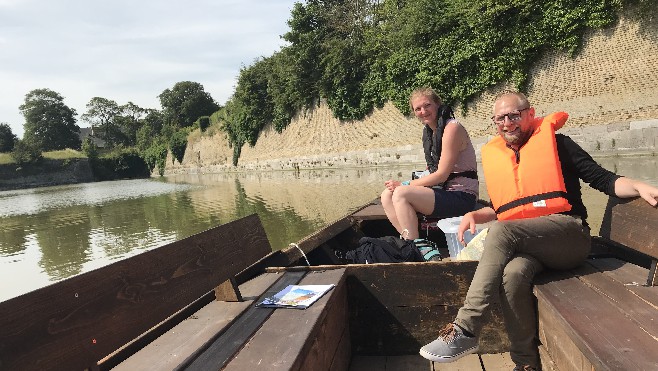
610 90
46 173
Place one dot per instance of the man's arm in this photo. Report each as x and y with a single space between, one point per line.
469 220
627 187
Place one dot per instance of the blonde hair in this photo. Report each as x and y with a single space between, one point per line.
424 92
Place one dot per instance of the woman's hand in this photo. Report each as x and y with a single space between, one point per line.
392 184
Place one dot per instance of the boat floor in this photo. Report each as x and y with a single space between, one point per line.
473 362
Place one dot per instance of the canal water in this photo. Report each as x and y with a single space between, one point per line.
50 234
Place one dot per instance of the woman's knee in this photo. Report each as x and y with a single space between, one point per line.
386 196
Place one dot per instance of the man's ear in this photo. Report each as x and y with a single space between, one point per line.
531 112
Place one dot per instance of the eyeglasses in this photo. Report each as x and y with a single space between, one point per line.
513 116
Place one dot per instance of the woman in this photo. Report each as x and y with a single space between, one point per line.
450 186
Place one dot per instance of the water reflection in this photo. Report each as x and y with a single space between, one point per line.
49 234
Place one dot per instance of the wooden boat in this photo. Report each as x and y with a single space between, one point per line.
190 305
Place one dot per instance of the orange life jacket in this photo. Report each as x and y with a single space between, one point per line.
531 184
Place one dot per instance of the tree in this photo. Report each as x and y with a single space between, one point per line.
130 121
185 103
7 138
49 123
101 115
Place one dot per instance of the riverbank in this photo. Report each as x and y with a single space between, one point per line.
48 172
633 138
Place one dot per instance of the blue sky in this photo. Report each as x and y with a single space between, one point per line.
130 50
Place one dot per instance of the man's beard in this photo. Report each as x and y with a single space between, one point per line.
513 138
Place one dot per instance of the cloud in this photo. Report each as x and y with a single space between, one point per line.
130 50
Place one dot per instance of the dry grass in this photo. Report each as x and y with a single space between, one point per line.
64 154
5 158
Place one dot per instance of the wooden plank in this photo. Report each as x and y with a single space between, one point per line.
372 212
547 363
629 275
623 297
497 361
343 355
470 362
228 343
407 363
78 321
228 291
294 339
174 348
179 345
604 335
368 363
397 308
633 223
389 363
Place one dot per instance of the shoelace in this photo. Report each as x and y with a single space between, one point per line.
448 333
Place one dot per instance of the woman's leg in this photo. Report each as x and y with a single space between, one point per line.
407 201
389 210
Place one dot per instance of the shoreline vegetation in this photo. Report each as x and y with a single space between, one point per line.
347 107
71 166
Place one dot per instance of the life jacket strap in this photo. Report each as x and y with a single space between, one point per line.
530 199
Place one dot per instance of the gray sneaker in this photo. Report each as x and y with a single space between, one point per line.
451 345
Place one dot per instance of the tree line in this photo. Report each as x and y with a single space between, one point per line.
358 54
355 55
131 136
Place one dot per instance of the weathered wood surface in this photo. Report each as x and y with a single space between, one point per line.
597 320
389 363
397 308
633 223
75 323
179 345
301 339
371 212
226 344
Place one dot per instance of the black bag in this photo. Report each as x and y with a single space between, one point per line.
387 249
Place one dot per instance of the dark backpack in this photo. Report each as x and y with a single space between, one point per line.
387 249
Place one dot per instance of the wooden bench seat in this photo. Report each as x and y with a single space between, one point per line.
604 314
97 319
240 336
316 338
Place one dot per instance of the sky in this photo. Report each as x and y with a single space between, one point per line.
130 51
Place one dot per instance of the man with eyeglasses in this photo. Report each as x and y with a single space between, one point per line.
533 180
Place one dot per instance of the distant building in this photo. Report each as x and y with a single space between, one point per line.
89 133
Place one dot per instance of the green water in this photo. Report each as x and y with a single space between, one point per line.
49 234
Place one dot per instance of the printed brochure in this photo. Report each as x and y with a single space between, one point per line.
295 296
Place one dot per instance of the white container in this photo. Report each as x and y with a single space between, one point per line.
449 226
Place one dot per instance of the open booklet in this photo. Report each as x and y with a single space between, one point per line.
295 296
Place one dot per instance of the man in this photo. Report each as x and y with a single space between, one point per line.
532 177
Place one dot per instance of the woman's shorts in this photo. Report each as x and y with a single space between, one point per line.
452 203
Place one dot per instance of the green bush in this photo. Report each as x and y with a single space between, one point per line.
178 144
120 164
156 155
90 149
25 152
